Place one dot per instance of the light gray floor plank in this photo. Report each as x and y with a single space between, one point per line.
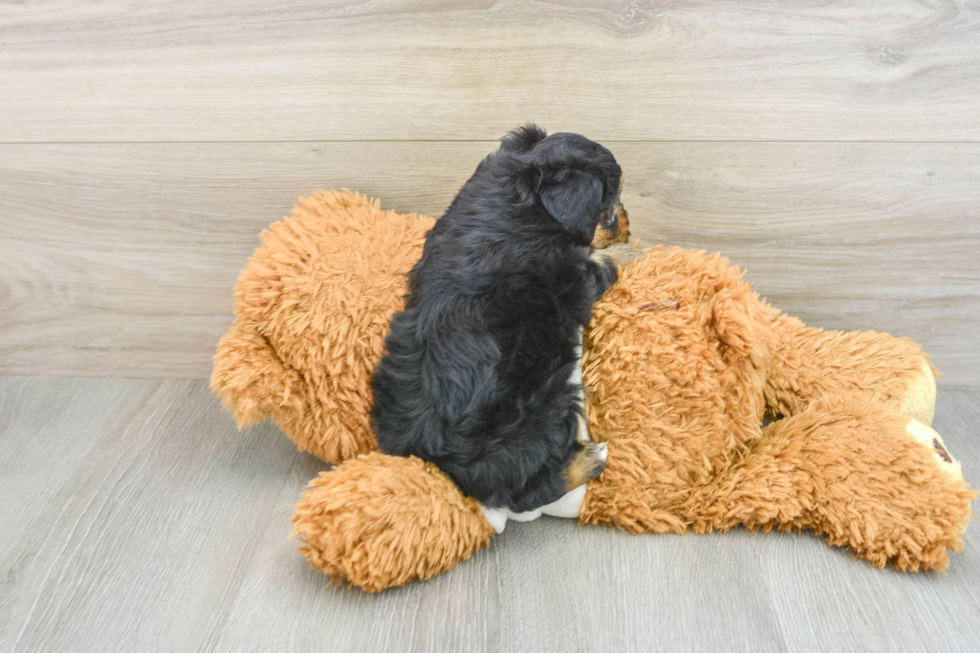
53 437
160 518
136 517
469 69
119 260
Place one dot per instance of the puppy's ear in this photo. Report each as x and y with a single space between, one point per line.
575 202
522 139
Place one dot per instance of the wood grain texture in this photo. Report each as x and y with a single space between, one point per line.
120 259
442 69
137 518
134 535
50 434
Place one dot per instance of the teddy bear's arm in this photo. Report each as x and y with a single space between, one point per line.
808 363
859 473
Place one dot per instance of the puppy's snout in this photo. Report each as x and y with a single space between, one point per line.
622 224
587 464
613 228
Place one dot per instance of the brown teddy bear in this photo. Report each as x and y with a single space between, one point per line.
683 365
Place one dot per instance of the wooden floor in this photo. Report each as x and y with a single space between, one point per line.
136 518
831 148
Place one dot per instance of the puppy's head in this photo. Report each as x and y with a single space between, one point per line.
576 181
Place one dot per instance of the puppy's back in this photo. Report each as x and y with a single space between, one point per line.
476 377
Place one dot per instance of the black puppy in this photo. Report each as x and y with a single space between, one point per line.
482 370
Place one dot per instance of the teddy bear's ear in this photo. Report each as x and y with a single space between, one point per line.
738 318
251 381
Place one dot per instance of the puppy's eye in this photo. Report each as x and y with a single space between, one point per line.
608 220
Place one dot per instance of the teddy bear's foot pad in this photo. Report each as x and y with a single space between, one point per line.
929 437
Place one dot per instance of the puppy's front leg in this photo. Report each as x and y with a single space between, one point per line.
603 272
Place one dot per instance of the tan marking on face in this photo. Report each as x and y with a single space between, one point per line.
622 225
605 237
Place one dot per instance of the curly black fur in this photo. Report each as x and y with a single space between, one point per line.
477 373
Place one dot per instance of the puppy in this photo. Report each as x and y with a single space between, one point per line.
481 374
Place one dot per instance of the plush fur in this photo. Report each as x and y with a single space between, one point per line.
331 274
682 360
441 531
478 373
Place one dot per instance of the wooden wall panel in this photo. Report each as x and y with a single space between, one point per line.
122 70
119 259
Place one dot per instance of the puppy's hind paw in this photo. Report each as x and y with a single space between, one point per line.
608 272
587 464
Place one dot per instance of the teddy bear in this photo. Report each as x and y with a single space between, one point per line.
718 410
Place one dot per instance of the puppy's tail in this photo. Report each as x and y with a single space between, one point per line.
522 139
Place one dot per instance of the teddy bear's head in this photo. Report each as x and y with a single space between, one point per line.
312 307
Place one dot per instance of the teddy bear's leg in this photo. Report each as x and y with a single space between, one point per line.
379 521
808 363
861 473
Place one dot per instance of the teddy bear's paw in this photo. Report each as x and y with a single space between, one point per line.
920 396
380 521
929 437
